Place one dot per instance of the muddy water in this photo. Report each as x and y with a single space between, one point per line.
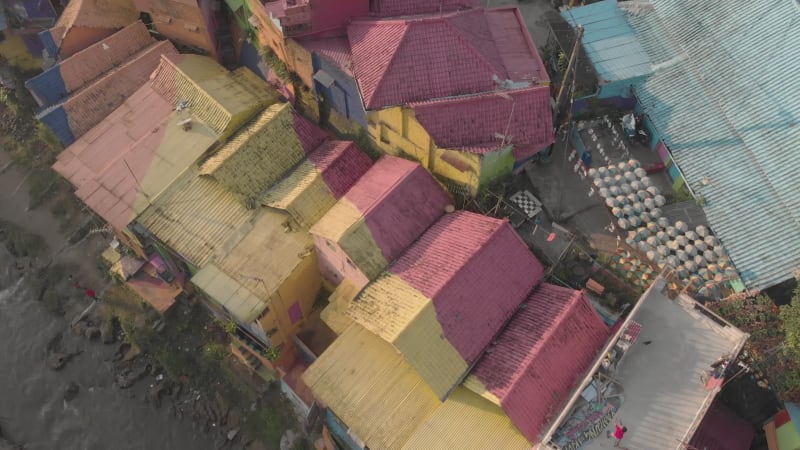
32 407
102 416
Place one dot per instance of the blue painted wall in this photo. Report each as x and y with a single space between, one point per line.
49 44
339 430
55 118
342 95
48 87
250 58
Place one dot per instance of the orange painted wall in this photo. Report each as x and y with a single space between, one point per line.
180 22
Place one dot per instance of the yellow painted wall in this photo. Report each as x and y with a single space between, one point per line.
13 49
396 131
303 285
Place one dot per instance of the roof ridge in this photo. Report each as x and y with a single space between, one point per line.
391 187
385 70
570 305
472 47
495 232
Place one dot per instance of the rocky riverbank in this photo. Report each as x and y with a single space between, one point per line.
184 374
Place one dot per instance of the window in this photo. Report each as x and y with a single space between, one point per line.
350 263
330 245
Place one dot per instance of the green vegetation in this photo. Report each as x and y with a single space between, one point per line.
195 346
274 62
773 343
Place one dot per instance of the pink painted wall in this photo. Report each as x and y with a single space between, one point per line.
333 264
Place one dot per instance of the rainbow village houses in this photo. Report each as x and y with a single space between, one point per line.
427 228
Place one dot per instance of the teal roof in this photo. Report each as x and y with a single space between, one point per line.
610 41
725 97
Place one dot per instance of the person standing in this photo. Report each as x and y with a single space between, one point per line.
619 432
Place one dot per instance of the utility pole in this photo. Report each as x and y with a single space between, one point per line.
570 69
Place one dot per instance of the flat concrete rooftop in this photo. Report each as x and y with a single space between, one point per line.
663 395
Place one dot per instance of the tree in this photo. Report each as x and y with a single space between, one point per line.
790 322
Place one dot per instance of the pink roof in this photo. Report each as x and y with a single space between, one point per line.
310 135
420 58
478 123
336 49
342 163
389 8
477 271
323 16
546 348
399 200
105 180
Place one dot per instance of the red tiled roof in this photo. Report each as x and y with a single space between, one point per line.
517 50
538 358
341 164
420 58
477 124
91 105
310 135
389 8
477 271
88 64
336 49
399 199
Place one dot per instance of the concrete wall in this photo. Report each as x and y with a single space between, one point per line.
459 167
302 286
334 264
496 165
343 95
395 131
183 23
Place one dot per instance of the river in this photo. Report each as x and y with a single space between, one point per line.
33 411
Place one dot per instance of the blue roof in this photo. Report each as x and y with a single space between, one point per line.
610 41
794 413
3 23
724 96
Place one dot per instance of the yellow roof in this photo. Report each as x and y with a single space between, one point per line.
334 314
265 257
339 220
224 100
258 155
196 217
404 317
368 385
303 194
228 292
467 421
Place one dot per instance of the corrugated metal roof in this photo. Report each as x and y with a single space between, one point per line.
610 41
371 388
196 217
545 349
151 151
404 317
383 213
265 255
313 187
449 294
237 299
723 109
223 100
259 155
467 421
